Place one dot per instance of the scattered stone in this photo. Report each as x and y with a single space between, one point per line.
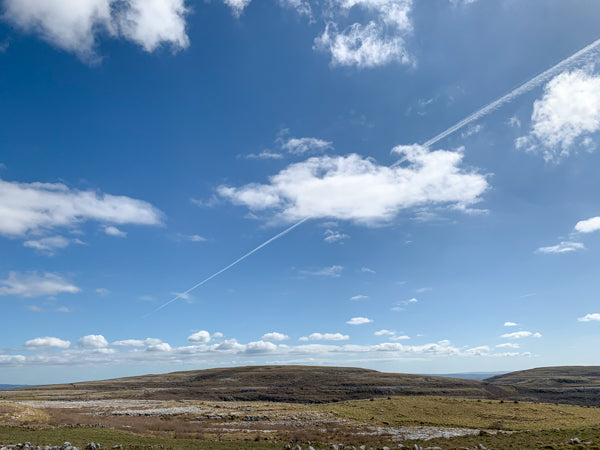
575 441
482 447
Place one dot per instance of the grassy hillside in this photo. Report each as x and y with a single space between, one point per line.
300 384
579 385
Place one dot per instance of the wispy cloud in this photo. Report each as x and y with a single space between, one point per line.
306 145
332 236
510 324
32 284
359 297
562 247
330 271
520 335
367 270
48 245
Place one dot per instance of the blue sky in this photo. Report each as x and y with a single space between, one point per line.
148 144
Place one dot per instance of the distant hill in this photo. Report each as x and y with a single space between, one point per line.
306 384
566 384
302 384
11 386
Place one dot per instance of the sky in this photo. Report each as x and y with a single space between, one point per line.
401 185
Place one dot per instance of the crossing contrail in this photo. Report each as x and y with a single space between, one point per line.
525 87
224 269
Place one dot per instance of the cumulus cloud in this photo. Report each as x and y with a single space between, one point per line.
114 231
326 337
358 321
566 115
76 26
162 347
510 324
40 207
358 189
520 335
594 317
201 337
32 284
275 336
588 226
46 343
93 341
379 41
44 351
562 247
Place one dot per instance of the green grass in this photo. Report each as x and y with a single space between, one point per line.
440 411
81 436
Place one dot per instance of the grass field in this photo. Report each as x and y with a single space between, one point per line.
486 414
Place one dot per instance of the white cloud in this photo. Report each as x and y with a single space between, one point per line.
30 284
331 271
367 270
400 338
508 345
363 46
326 337
114 231
358 189
358 321
563 247
48 244
302 146
514 122
12 359
162 347
510 324
39 207
359 297
103 292
520 335
46 343
237 6
217 335
594 317
137 342
265 154
413 300
567 114
332 236
75 26
201 337
385 333
275 336
588 226
63 309
93 341
197 238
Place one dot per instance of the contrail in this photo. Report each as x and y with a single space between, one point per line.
525 87
224 269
